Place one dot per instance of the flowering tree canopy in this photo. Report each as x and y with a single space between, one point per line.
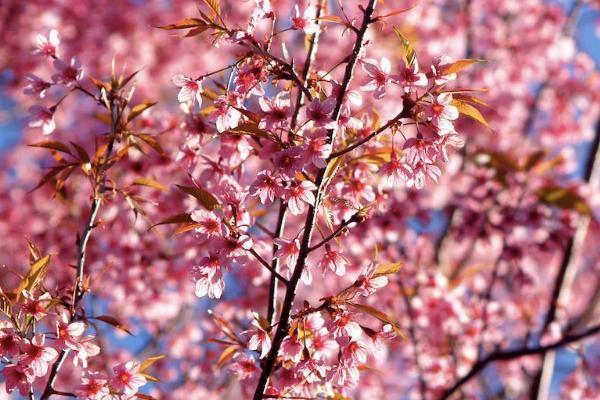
317 199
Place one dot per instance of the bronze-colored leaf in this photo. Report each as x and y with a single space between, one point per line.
205 198
459 65
138 109
53 145
34 277
175 219
150 183
114 322
185 23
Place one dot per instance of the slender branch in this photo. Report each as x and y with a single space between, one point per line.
403 114
566 272
415 342
505 355
267 266
79 290
272 306
310 57
311 218
334 234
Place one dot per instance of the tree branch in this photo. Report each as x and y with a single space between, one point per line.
79 289
507 355
311 218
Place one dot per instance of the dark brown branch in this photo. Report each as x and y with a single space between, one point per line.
335 233
311 219
265 264
506 355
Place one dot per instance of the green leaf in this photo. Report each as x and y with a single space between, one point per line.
471 112
408 52
564 198
387 269
205 198
34 276
137 110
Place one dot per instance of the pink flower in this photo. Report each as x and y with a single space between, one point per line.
209 280
452 140
344 375
317 150
42 116
366 284
35 356
422 170
313 370
319 112
16 378
9 343
37 308
355 352
277 111
442 112
343 325
298 195
67 73
36 86
266 187
68 334
48 46
243 366
259 339
190 89
291 348
289 161
380 76
419 150
226 116
307 22
395 171
85 348
410 78
288 251
334 261
209 224
127 378
437 70
93 387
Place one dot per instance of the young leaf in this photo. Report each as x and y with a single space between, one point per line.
459 65
207 200
137 110
185 23
380 315
150 183
34 276
175 219
470 111
147 363
564 198
53 145
83 155
114 322
408 52
214 6
387 269
226 355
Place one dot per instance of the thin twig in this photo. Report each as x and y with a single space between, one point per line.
504 355
311 218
